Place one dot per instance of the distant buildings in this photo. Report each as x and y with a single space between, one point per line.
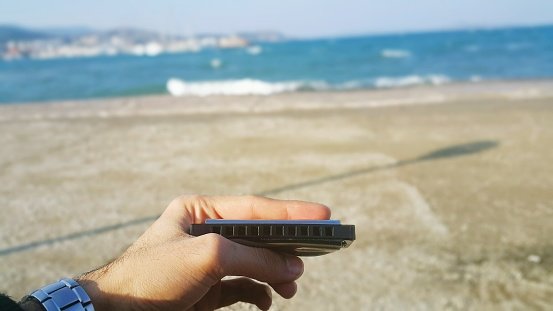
126 42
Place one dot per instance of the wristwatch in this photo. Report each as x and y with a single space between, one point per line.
64 295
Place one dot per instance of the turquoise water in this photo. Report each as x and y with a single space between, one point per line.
309 65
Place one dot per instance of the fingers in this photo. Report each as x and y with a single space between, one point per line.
286 290
186 210
221 257
254 207
246 290
250 291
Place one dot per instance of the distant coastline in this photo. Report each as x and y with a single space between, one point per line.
20 43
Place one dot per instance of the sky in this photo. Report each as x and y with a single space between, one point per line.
298 18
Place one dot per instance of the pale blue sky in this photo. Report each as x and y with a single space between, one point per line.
303 18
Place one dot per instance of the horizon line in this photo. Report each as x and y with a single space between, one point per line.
297 37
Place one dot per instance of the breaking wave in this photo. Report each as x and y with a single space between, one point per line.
178 87
389 82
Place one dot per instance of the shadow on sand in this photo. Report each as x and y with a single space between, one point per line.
448 152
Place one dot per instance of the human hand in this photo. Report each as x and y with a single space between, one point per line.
167 269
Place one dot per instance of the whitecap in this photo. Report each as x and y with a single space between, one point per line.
215 63
177 87
351 85
395 53
437 79
254 50
390 82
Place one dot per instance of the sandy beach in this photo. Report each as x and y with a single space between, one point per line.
450 187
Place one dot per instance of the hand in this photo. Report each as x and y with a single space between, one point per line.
167 269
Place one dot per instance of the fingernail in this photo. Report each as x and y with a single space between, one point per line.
295 265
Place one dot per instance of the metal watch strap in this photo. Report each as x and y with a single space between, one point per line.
64 295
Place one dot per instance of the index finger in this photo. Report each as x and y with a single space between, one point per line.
255 207
188 210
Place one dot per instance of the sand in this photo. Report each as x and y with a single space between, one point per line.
451 187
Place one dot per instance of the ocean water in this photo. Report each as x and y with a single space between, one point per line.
385 61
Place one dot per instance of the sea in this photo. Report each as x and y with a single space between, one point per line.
327 64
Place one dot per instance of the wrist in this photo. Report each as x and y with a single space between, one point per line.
99 298
104 292
29 303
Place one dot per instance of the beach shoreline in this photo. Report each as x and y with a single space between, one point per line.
167 104
448 186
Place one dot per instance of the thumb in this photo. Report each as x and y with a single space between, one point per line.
222 257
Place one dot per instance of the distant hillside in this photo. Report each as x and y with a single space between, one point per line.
71 31
263 36
9 32
62 42
17 33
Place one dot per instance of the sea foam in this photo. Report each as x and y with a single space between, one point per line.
215 63
254 50
177 87
389 82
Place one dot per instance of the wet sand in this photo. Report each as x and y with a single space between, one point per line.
451 188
